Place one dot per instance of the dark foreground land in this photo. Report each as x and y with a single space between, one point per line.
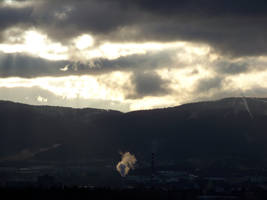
137 193
206 150
229 132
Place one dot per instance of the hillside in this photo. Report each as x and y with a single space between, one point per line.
230 130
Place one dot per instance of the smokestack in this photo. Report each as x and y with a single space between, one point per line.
153 163
152 168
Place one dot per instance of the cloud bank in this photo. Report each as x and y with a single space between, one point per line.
133 55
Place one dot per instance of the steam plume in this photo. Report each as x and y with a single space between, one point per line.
127 162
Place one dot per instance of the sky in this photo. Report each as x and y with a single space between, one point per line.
131 54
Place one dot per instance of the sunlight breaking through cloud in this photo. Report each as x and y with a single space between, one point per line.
38 44
118 86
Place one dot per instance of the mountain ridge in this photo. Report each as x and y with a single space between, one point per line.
213 129
160 108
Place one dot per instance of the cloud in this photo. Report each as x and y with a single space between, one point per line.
232 28
259 92
207 84
31 95
20 65
142 57
161 52
226 67
64 21
42 99
132 91
14 16
149 60
203 7
148 84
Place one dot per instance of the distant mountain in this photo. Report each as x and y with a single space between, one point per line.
232 130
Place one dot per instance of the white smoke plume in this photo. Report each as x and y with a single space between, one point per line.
127 162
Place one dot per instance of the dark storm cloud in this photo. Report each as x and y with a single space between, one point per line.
10 16
25 66
150 60
148 84
206 85
226 67
22 65
204 7
236 28
66 19
14 16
